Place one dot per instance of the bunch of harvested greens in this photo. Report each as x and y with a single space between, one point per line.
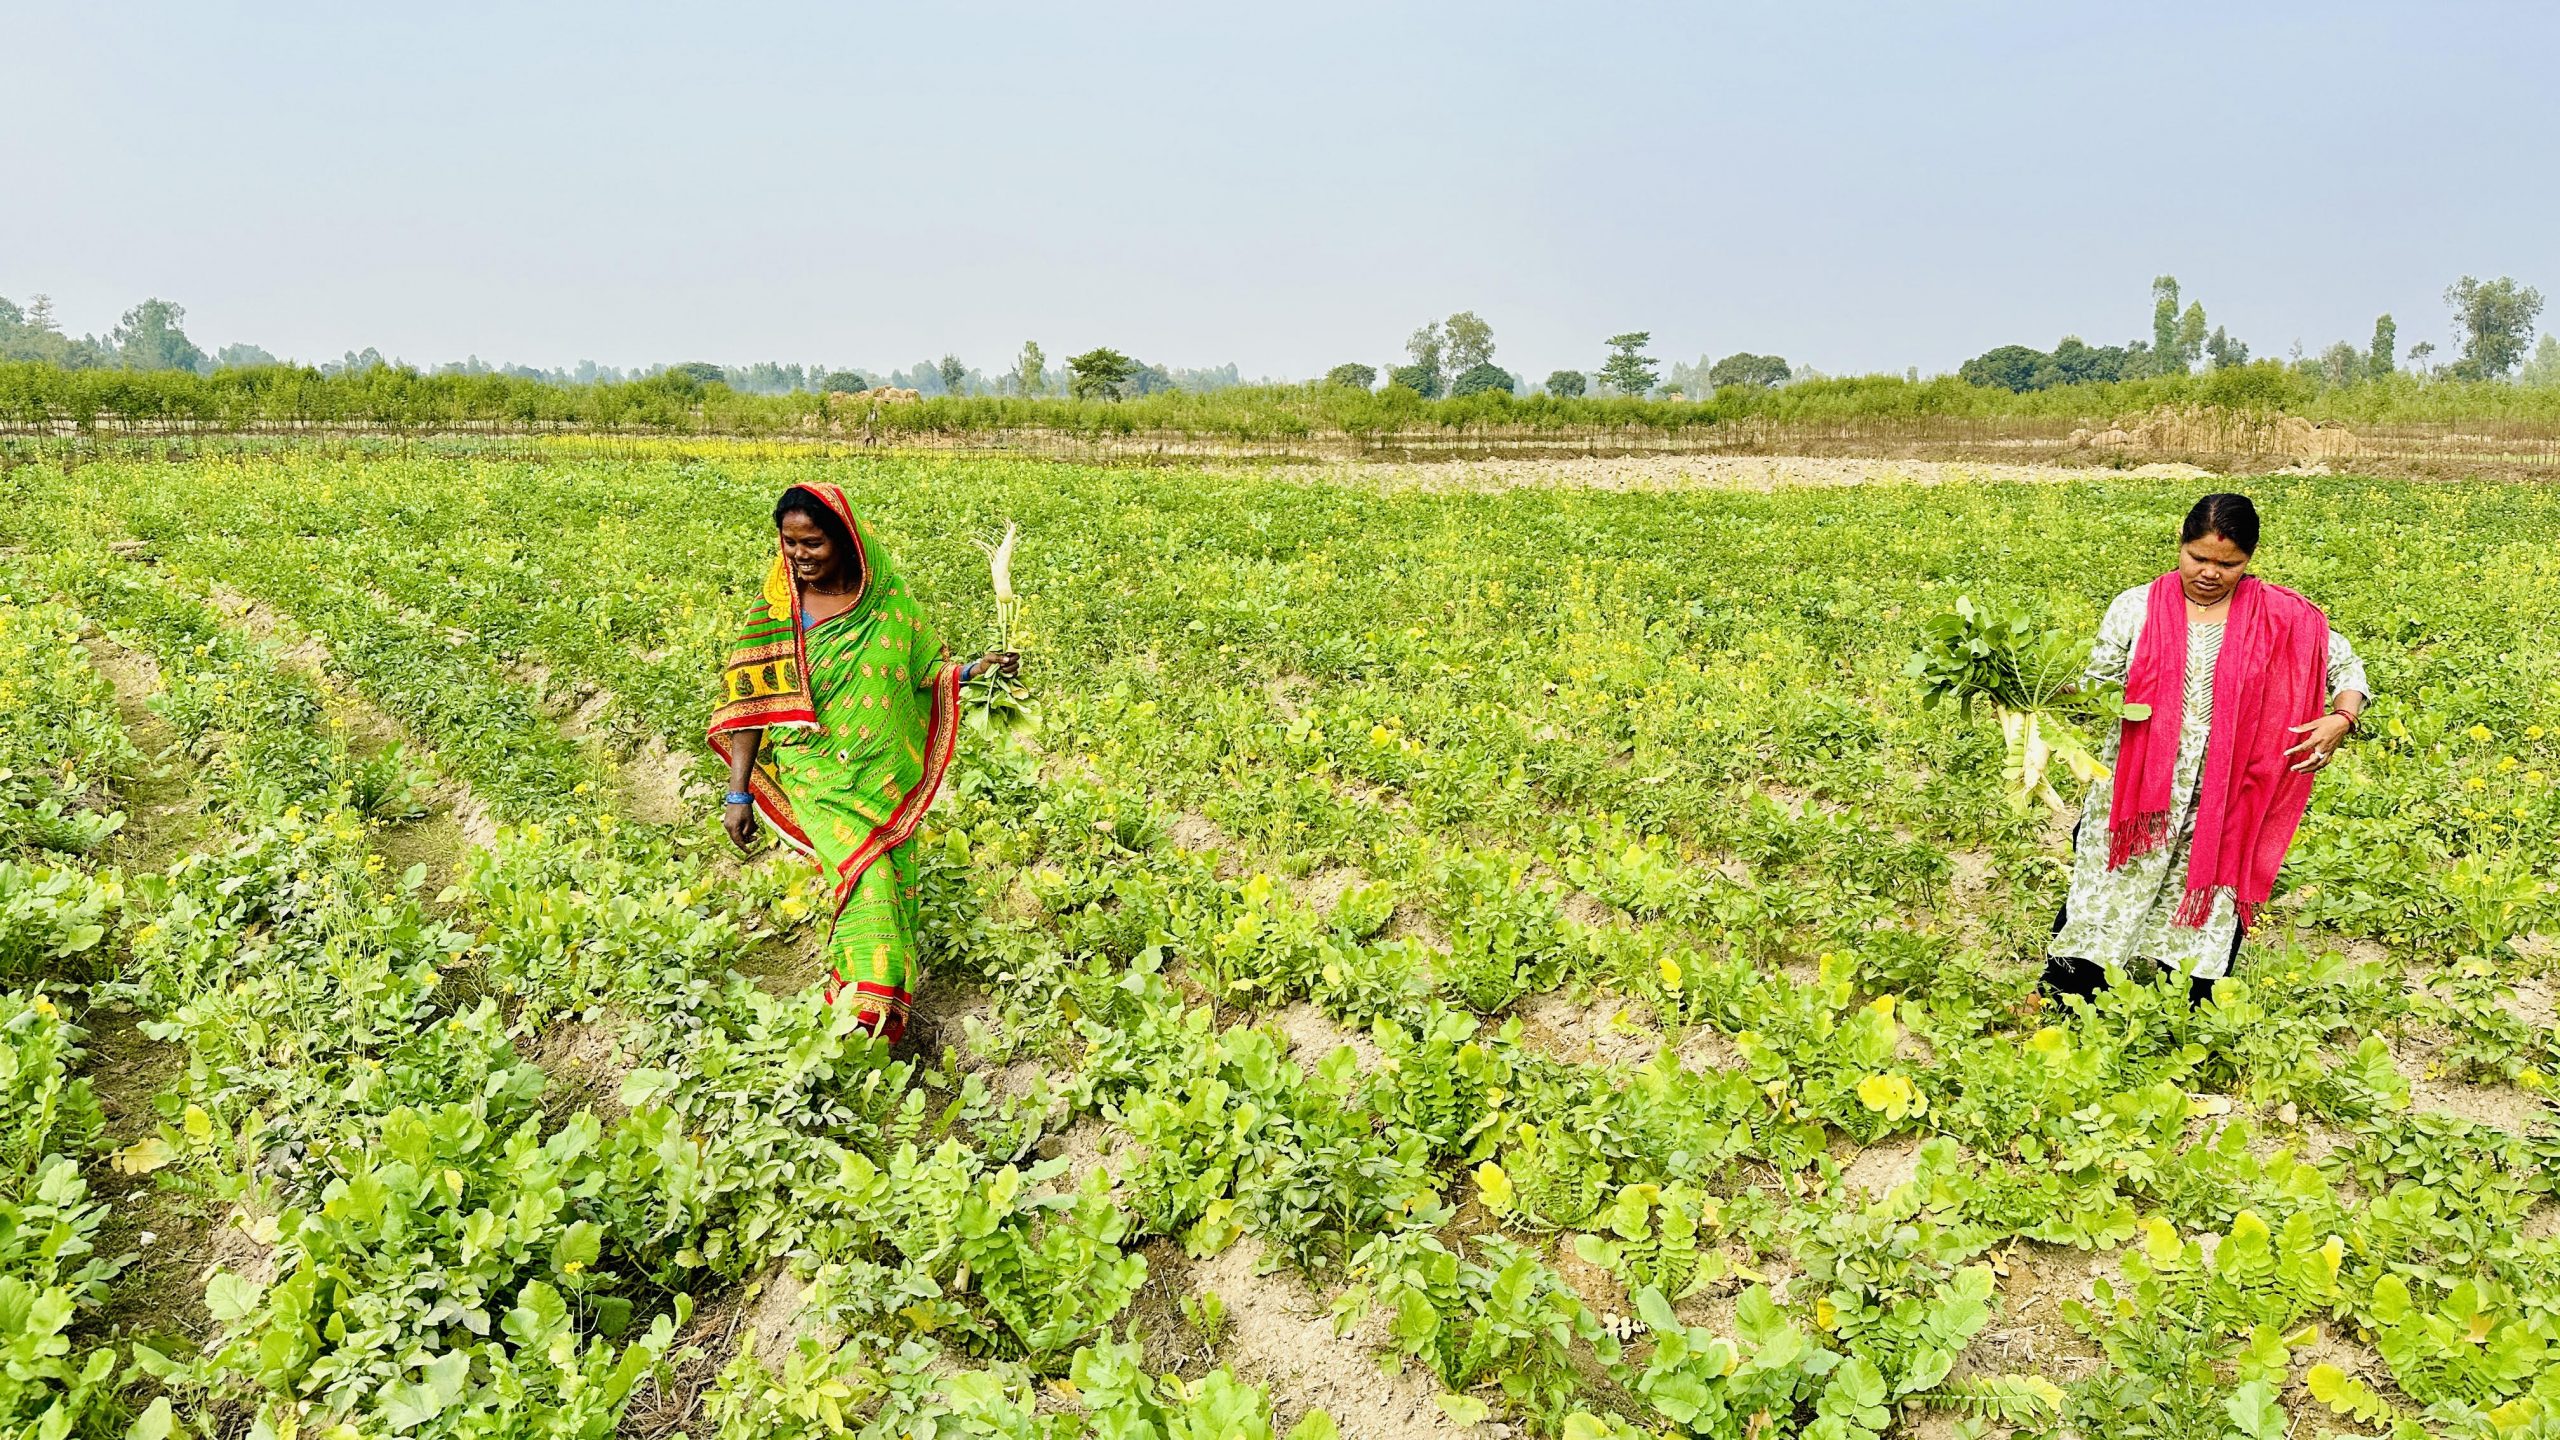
998 704
2031 676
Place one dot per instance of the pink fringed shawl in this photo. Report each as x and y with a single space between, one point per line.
2273 674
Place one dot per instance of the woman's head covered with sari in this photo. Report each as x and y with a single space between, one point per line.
773 682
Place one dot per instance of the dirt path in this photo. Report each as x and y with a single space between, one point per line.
169 1235
1754 473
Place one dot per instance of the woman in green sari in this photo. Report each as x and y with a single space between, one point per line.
837 715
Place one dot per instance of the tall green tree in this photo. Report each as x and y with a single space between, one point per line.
1099 373
955 376
1568 384
1354 374
150 337
1628 370
1427 345
2225 351
1482 376
1031 370
2191 336
2384 357
1470 342
2496 320
2164 322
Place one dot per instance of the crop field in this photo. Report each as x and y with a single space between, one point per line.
1495 955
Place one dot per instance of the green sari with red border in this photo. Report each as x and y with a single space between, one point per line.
860 713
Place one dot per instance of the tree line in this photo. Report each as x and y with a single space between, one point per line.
2493 324
1445 359
1453 358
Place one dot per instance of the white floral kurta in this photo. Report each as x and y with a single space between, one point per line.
2117 915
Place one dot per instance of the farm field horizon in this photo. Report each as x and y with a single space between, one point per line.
1465 946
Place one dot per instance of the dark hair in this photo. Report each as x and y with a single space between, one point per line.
2230 516
797 501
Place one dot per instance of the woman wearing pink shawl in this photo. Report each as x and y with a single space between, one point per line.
2251 693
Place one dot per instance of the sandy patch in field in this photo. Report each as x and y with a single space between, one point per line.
1881 1168
663 790
1595 1029
777 1316
1193 831
1322 890
586 1062
2534 1002
235 1251
1288 694
479 826
1708 1050
1279 1334
2498 1105
2501 1107
296 646
1089 1145
1412 922
2029 1336
1699 472
589 715
1588 910
1312 1035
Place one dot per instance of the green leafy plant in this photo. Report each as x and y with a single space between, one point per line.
2030 675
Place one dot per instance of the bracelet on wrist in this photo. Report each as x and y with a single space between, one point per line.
738 797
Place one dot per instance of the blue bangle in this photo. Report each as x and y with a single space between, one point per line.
739 797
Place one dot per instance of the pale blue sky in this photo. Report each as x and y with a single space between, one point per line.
1863 187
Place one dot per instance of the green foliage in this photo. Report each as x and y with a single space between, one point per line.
2496 319
1643 893
1354 375
1478 378
1567 384
50 1110
149 338
62 746
1504 1317
51 919
1470 346
1652 1240
1422 380
52 1383
1099 374
1743 368
1628 370
2021 368
2032 675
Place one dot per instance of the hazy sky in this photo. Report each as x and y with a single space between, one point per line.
1862 187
